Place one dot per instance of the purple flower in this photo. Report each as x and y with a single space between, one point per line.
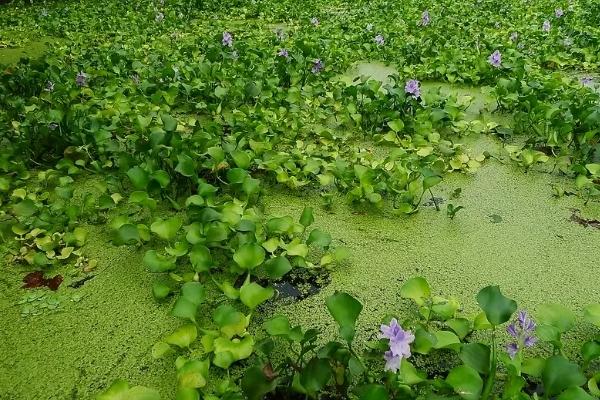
227 39
81 79
521 330
559 12
49 86
586 81
317 66
159 17
512 349
495 59
314 21
392 362
413 87
546 26
283 53
379 40
136 79
425 18
399 342
514 36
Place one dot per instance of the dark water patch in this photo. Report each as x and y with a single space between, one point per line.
80 282
36 280
300 284
592 223
434 202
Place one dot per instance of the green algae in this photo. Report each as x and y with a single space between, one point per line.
102 331
34 49
512 233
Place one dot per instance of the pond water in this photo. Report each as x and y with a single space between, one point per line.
12 55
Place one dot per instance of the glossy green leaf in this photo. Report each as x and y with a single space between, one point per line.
466 382
498 308
249 256
345 309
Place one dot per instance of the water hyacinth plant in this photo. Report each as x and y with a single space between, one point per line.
314 21
522 331
558 12
379 40
227 39
413 87
283 53
495 59
399 342
317 66
425 18
80 79
546 26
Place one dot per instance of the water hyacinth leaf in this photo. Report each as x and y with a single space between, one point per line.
480 322
255 384
160 290
590 351
315 375
533 366
319 238
158 262
575 393
431 181
201 258
307 217
372 392
185 393
183 336
241 159
193 374
126 234
416 289
185 165
178 250
166 229
280 225
278 326
252 294
593 385
277 267
445 308
556 315
466 382
169 123
476 356
560 374
345 309
249 256
120 390
192 295
446 340
460 326
409 375
228 290
396 125
227 351
498 308
139 178
424 341
160 349
592 314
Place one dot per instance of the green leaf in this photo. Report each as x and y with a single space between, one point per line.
431 181
193 374
183 336
498 308
307 218
160 349
249 256
409 375
158 262
241 159
201 258
416 289
255 384
160 290
278 326
166 229
345 309
139 178
592 314
372 392
590 351
126 234
170 123
25 208
466 382
227 351
319 238
277 267
575 393
120 390
396 125
252 294
185 165
555 315
560 374
446 340
315 376
476 356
